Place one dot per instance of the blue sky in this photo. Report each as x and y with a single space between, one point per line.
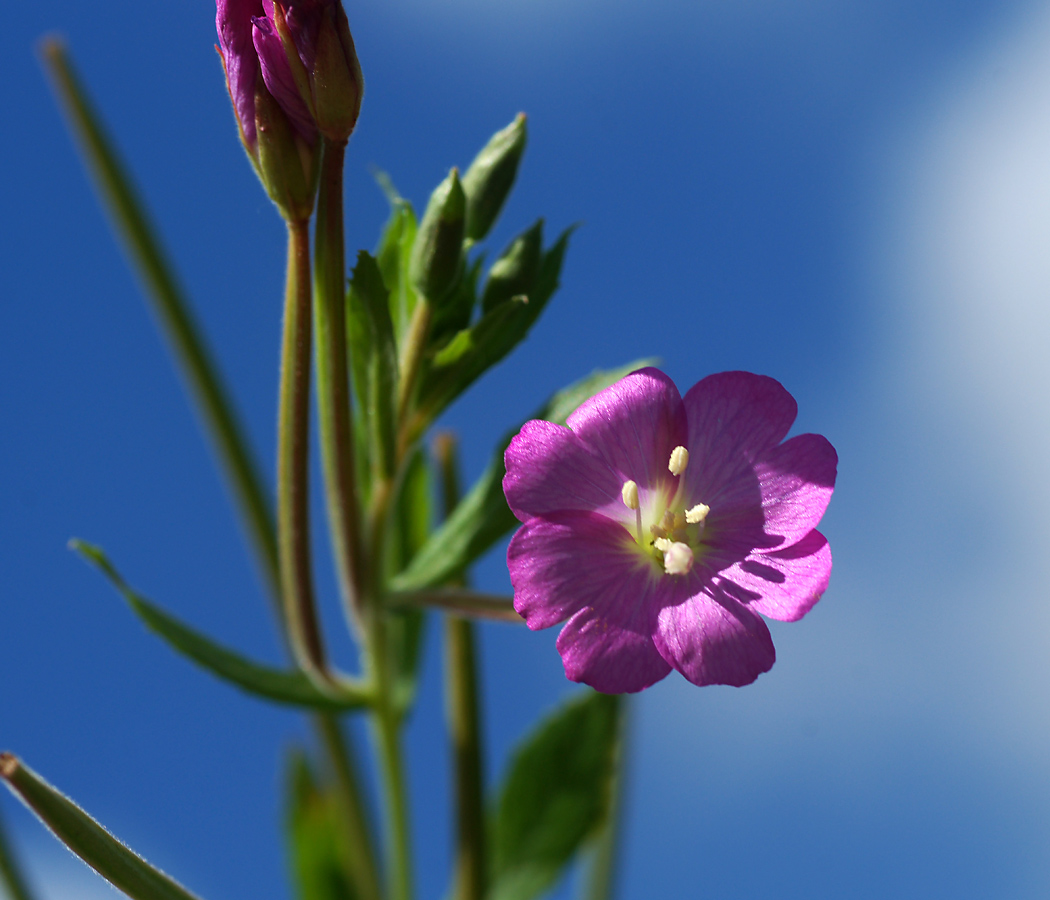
850 197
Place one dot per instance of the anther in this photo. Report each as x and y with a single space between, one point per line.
697 514
679 460
678 559
630 494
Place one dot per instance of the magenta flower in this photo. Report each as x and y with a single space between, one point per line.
661 526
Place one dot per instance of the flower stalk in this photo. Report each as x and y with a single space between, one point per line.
333 385
293 522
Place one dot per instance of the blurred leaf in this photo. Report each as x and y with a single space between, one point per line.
280 686
555 796
13 883
516 270
392 255
454 312
482 517
318 847
373 352
121 867
475 349
142 245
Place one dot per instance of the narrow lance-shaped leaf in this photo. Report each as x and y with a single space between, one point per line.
278 685
482 516
163 290
554 797
123 868
12 879
316 842
515 272
394 255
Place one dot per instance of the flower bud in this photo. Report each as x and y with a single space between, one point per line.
286 165
438 249
488 181
514 273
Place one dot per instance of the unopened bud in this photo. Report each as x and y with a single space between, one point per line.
337 82
514 273
438 249
286 163
489 179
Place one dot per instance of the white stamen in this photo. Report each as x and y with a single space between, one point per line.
679 460
678 559
697 514
630 494
662 544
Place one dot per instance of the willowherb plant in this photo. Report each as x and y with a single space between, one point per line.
657 527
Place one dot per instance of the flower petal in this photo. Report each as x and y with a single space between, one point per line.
278 77
711 638
633 426
797 480
549 469
233 22
733 418
784 584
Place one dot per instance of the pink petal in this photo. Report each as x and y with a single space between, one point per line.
784 584
797 480
549 469
712 639
633 426
733 418
560 564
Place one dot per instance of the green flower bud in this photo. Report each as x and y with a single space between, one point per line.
490 177
437 253
287 164
514 273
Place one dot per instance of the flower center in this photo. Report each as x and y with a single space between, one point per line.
676 534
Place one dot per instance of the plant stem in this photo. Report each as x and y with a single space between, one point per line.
411 362
601 878
293 437
386 723
333 385
351 807
463 708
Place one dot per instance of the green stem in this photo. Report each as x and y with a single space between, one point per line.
601 879
333 384
411 362
11 878
351 807
293 446
143 247
386 723
463 706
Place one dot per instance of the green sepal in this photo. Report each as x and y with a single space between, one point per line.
120 866
490 178
437 254
482 517
320 864
393 255
280 686
373 351
477 348
453 315
515 272
555 796
287 164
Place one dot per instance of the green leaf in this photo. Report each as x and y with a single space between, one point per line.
121 867
454 312
374 355
317 844
555 796
149 260
393 254
514 273
484 344
12 880
482 517
280 686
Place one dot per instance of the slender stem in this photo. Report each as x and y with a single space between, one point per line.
601 879
351 807
293 446
333 385
143 247
386 723
11 878
463 708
